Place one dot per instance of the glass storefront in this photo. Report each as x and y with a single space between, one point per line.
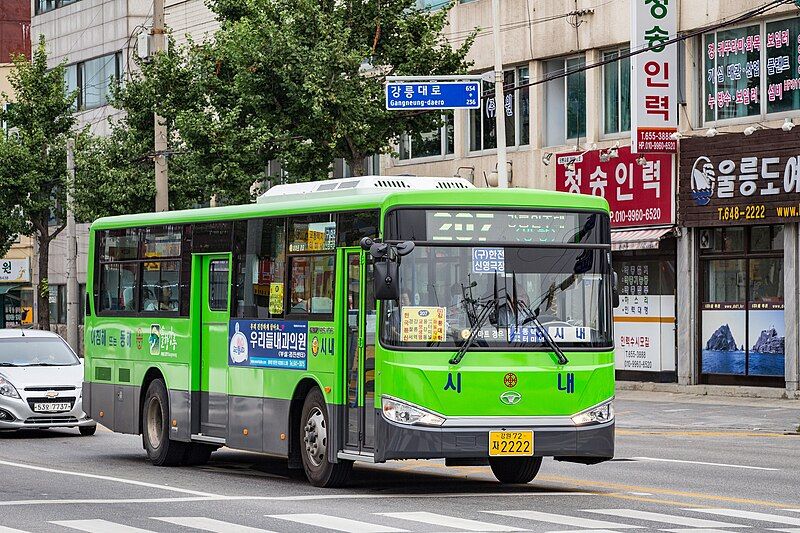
742 331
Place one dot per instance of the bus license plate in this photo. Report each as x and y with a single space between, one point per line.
510 443
52 407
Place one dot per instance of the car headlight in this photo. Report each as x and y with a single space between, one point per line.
599 414
7 389
410 415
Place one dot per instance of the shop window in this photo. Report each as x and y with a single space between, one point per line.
312 285
429 144
261 268
58 304
737 60
312 233
742 309
565 101
515 106
616 92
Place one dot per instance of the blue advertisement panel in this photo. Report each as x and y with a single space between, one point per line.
268 344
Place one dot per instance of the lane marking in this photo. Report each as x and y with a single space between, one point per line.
746 467
667 432
752 515
99 526
693 530
675 410
105 478
4 529
665 518
584 531
573 521
334 522
208 524
449 521
314 497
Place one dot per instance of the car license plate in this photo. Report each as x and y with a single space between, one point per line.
52 407
510 443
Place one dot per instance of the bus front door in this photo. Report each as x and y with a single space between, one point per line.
359 323
215 313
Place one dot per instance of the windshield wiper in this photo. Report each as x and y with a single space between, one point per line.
533 316
477 325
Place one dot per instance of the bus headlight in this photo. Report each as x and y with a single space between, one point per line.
410 415
600 414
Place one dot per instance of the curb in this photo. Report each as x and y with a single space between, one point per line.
711 390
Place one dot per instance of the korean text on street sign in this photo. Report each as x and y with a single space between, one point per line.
433 95
654 79
638 195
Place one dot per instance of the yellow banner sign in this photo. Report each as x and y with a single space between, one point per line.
422 324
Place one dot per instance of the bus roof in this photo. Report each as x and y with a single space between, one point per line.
361 200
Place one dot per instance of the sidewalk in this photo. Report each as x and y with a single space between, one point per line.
717 392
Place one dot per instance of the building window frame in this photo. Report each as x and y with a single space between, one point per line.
763 84
568 139
80 82
40 7
446 134
521 122
617 65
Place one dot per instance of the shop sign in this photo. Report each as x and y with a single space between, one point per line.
639 195
740 180
15 270
654 79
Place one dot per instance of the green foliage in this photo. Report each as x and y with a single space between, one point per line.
33 177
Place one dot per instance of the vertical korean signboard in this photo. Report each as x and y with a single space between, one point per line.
654 77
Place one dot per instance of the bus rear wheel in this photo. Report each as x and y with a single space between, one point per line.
515 470
313 437
155 427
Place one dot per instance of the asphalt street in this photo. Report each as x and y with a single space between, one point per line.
684 463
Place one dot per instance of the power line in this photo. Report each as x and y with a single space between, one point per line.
700 31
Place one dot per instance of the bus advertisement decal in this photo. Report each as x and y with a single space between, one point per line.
268 344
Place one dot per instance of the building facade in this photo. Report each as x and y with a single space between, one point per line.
707 297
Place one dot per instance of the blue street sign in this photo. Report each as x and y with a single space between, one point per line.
433 95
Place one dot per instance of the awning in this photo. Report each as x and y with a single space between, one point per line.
7 287
639 239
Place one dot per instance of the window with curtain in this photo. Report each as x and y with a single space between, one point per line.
616 92
515 107
565 101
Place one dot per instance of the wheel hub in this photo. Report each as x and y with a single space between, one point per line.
155 423
315 437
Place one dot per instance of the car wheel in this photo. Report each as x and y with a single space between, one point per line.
155 427
515 470
87 431
313 435
197 454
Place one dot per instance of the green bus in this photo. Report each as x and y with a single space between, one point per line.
359 319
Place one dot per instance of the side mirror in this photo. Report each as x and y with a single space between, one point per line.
385 283
366 243
404 248
615 293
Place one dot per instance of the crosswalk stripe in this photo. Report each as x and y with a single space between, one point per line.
333 522
584 531
99 526
208 524
665 518
696 530
574 521
4 529
449 521
751 515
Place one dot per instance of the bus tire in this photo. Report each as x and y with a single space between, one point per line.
155 427
313 438
197 454
515 470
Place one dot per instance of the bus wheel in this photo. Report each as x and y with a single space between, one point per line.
515 470
155 427
313 433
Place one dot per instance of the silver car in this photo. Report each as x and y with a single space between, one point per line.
40 383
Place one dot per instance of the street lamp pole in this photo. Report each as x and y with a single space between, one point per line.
499 100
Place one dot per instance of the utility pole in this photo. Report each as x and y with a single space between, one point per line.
162 179
500 108
73 298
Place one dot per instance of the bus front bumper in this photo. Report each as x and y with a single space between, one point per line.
568 442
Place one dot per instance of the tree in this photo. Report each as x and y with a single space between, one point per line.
33 177
300 81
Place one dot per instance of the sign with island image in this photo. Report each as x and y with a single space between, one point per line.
743 342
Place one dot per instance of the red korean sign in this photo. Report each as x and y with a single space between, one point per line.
639 195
